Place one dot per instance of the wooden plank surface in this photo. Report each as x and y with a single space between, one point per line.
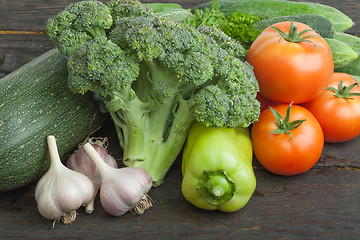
320 204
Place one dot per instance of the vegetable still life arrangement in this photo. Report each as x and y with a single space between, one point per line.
154 76
211 86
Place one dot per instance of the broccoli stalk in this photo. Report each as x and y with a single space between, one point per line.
152 136
151 142
156 76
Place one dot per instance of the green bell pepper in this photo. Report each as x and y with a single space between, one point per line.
217 168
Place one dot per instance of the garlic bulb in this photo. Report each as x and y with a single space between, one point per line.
122 189
61 191
81 162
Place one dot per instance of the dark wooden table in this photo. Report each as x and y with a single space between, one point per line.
323 203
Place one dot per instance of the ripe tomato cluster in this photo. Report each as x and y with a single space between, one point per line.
304 103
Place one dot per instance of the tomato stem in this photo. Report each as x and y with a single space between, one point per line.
294 36
344 91
284 125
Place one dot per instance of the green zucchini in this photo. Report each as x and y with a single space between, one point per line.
276 8
342 53
319 23
35 101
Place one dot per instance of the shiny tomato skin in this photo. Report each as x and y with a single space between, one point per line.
265 103
290 72
278 153
338 117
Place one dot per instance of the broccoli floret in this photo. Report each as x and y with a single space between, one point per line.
156 76
128 8
102 67
77 24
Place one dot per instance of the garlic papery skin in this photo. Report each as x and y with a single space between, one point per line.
81 162
122 189
61 191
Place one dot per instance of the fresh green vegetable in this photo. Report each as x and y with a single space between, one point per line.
352 68
237 25
217 168
319 23
357 78
209 16
161 7
241 27
35 101
353 41
342 53
178 15
276 8
155 76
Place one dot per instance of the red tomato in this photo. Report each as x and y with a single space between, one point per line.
339 117
265 103
291 71
280 154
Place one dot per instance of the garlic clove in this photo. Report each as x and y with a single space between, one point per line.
61 190
122 189
81 162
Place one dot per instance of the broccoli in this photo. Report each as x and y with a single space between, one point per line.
156 76
78 23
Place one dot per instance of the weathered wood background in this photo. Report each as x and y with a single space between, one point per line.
323 203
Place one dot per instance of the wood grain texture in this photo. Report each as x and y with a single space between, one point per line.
316 205
18 49
320 204
32 15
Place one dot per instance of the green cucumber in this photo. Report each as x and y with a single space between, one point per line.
342 53
178 15
275 8
353 41
357 78
319 23
160 7
35 101
352 68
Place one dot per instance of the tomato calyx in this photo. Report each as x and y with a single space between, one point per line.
294 36
284 125
344 91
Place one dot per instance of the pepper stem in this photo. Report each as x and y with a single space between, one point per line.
216 186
